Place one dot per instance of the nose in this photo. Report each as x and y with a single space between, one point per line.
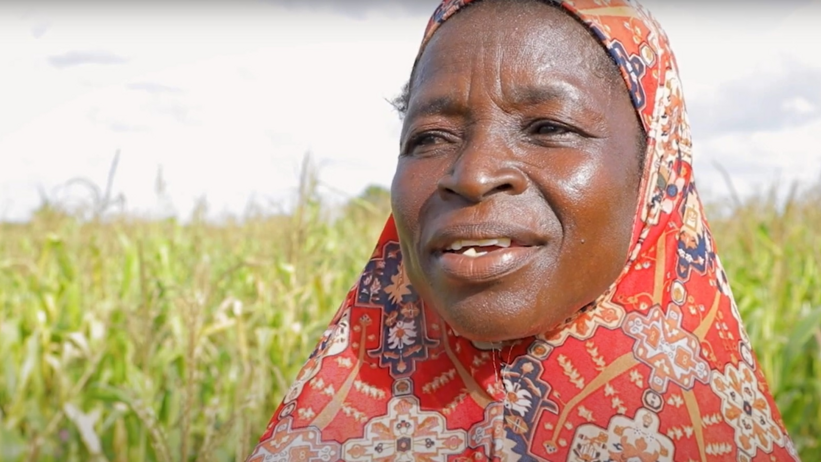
484 168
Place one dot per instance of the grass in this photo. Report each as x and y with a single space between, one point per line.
128 339
771 249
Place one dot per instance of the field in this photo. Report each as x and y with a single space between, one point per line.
126 339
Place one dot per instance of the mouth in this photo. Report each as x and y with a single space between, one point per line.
480 254
480 247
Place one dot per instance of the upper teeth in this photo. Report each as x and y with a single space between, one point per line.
498 242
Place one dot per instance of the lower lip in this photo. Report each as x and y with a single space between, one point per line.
485 268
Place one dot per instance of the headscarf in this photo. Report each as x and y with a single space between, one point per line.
658 368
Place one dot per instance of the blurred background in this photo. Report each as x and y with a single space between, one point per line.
188 191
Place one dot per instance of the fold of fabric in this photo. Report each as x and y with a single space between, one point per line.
658 368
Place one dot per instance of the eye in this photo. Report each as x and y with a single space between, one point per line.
425 142
424 139
549 133
549 128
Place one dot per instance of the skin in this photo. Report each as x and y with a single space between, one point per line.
510 132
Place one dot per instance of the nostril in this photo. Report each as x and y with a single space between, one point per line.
449 191
507 187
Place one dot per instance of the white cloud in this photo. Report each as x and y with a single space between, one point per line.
227 108
750 76
79 58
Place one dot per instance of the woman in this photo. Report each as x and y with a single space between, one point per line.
547 288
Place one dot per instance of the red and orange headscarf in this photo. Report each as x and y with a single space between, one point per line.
658 368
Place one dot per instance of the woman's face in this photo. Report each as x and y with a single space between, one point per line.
517 182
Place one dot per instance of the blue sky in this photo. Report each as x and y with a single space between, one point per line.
222 100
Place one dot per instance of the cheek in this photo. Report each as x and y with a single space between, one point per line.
409 191
616 216
401 203
599 200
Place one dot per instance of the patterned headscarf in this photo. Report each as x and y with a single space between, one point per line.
658 368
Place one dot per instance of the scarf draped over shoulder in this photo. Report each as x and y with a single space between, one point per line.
658 368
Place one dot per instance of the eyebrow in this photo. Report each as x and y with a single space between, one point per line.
532 95
561 94
519 96
441 105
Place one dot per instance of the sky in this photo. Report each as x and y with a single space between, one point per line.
221 100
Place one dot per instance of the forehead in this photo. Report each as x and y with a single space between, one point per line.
520 54
509 44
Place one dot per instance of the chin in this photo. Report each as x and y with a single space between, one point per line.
489 320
